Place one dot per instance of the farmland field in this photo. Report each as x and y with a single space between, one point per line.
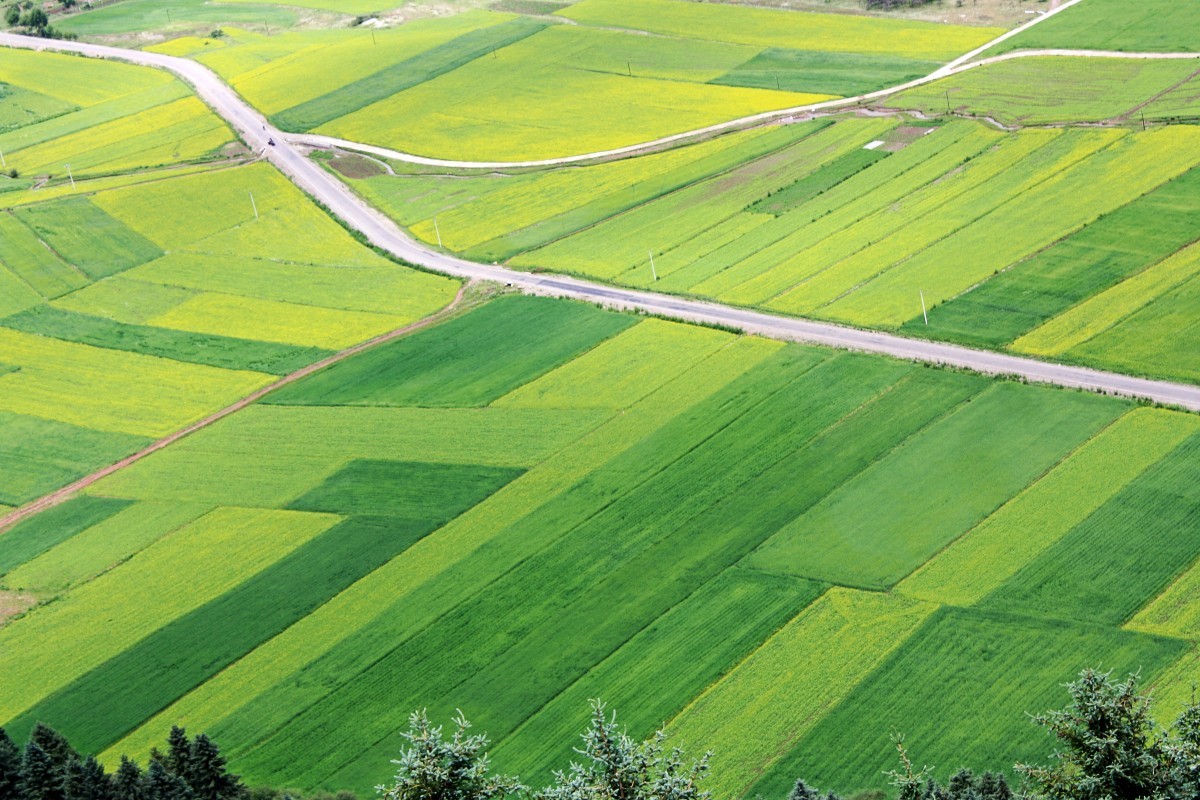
446 477
244 278
1037 91
511 504
1145 26
803 220
426 87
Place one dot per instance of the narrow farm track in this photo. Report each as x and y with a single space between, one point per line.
70 490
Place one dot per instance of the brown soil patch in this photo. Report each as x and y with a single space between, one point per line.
357 167
13 604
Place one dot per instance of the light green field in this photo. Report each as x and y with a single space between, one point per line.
196 563
1100 313
553 106
1021 530
111 117
1041 90
788 29
812 663
1146 26
118 360
690 453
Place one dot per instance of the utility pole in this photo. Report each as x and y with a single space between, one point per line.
438 231
947 102
72 177
653 271
253 204
1143 120
3 163
924 313
373 37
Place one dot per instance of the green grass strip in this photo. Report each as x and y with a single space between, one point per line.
957 669
85 236
468 361
39 455
845 74
813 184
194 348
405 75
38 534
1120 557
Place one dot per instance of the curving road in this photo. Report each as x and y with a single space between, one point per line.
755 120
382 232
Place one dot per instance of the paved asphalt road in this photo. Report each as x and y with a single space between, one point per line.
382 232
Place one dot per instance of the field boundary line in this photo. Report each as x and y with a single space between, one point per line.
60 496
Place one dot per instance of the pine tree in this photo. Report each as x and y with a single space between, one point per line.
1111 746
207 775
432 768
127 783
10 766
40 779
85 780
619 768
159 784
178 760
54 744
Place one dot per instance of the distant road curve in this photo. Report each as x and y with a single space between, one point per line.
384 233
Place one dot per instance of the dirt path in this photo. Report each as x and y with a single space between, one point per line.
67 492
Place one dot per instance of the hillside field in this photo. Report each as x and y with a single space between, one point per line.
598 75
134 304
804 219
440 498
509 504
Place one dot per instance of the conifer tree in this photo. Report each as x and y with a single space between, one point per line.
10 766
1111 745
54 744
40 778
618 768
432 768
802 791
206 772
159 784
86 780
127 783
179 753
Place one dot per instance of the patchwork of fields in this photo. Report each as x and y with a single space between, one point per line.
600 74
136 304
780 552
863 219
418 526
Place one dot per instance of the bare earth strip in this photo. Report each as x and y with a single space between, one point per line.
70 490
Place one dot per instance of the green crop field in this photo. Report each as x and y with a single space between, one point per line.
1145 26
1038 91
244 279
625 75
514 503
100 117
426 487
